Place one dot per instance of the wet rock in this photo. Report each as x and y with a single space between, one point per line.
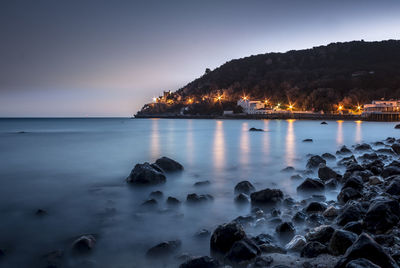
324 123
262 262
315 220
325 173
244 220
347 194
242 199
263 239
244 187
390 171
242 251
354 182
354 226
267 197
311 185
331 184
272 248
296 177
366 247
145 174
396 148
363 147
315 161
289 202
330 212
397 126
308 140
203 233
288 169
200 262
352 211
394 187
172 201
275 212
150 203
375 180
390 140
381 216
201 183
299 217
320 234
225 236
255 129
164 249
315 207
296 244
195 198
361 263
385 151
285 230
84 244
328 156
348 161
343 150
313 249
168 164
341 240
156 194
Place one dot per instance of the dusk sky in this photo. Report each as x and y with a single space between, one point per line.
108 58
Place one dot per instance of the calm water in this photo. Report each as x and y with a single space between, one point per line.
75 170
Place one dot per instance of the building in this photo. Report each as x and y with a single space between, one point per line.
382 106
252 107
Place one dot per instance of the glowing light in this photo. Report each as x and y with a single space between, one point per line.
290 107
340 107
154 99
358 107
244 97
190 100
219 98
279 104
266 101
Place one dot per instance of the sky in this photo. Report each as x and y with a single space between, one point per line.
76 58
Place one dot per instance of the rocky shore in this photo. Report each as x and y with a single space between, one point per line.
358 229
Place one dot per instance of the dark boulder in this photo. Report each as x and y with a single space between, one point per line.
164 249
255 129
244 187
242 199
381 216
225 236
296 177
324 123
288 169
84 244
156 194
285 228
326 173
396 148
343 150
340 241
328 156
313 249
394 187
348 161
390 171
320 234
315 161
267 197
150 203
361 263
262 262
200 262
366 247
195 198
172 201
201 183
145 174
308 140
397 126
331 184
242 251
315 207
363 147
354 182
390 140
354 226
352 211
299 217
315 220
311 185
347 194
168 164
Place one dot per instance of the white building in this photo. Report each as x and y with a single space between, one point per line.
382 106
252 107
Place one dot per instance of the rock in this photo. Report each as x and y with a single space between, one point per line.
296 177
52 259
200 262
296 244
328 156
267 197
150 203
363 147
275 212
375 180
242 199
242 251
354 182
308 140
84 244
41 212
347 194
156 194
145 174
320 234
244 220
361 263
299 217
255 129
288 169
341 240
286 230
396 148
331 184
325 173
289 202
315 207
366 247
164 249
330 212
168 164
315 161
381 216
201 183
390 140
315 220
313 249
225 236
352 211
172 201
348 161
394 187
397 126
195 198
390 171
324 123
262 262
343 150
385 151
354 226
202 233
311 185
244 187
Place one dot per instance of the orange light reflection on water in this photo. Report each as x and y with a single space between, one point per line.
290 143
244 144
219 146
339 133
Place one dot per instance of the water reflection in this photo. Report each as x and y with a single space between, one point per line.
339 135
219 146
266 141
358 136
154 139
244 144
290 143
189 142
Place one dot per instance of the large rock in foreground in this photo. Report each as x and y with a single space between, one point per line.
315 161
225 236
244 187
267 197
366 247
382 216
168 164
146 174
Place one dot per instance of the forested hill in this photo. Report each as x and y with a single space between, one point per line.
316 78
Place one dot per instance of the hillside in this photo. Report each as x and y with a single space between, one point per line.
318 78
